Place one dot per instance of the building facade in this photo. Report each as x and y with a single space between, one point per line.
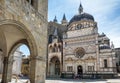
77 47
25 66
17 62
117 51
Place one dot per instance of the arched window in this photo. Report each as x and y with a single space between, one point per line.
50 49
105 63
79 26
55 49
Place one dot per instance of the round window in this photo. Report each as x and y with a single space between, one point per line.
79 52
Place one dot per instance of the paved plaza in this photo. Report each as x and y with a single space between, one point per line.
84 81
72 81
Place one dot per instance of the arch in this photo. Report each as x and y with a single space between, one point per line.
27 38
3 42
54 66
55 48
79 70
54 58
50 48
18 44
11 56
26 31
55 45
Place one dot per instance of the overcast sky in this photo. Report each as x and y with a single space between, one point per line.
105 12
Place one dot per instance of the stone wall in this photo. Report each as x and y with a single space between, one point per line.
26 19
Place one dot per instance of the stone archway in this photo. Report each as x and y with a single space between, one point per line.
54 66
19 20
11 56
15 33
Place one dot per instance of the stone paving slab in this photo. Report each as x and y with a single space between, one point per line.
84 81
71 81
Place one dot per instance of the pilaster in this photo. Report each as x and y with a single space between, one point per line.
7 70
38 64
5 67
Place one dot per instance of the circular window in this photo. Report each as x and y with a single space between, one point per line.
79 52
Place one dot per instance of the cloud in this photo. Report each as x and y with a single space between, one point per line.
106 14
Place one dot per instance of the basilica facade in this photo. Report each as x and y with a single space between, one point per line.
76 47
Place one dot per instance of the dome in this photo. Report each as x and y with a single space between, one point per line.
81 16
84 16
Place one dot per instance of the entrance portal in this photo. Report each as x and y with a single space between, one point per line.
80 70
54 66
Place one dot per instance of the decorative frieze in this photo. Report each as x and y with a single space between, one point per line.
82 24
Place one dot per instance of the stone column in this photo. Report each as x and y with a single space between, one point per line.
97 55
37 70
1 64
7 70
60 68
63 66
1 61
5 67
32 70
48 69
